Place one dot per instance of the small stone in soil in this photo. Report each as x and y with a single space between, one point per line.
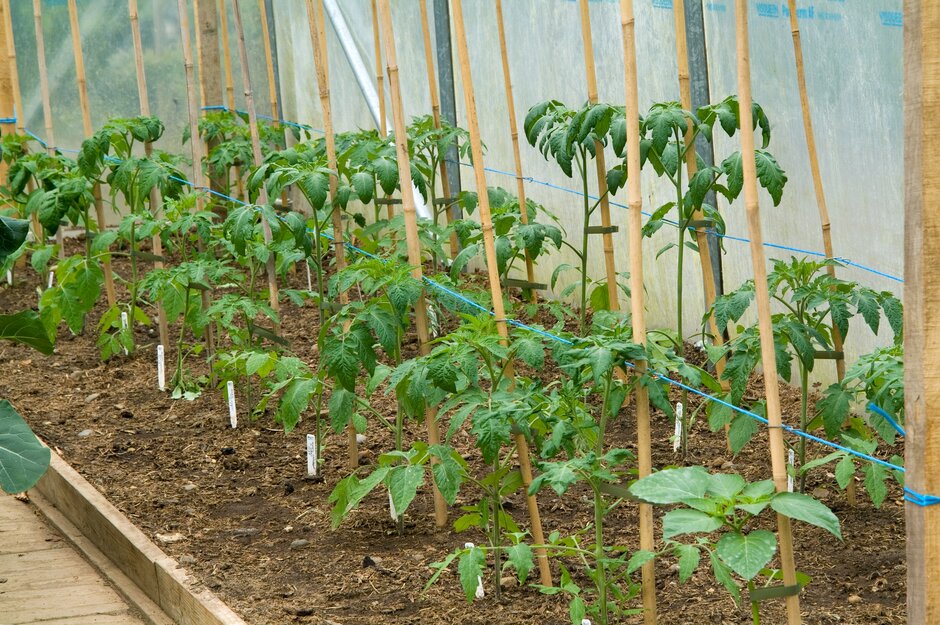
187 560
227 451
167 539
86 433
855 599
367 562
288 488
92 397
247 531
127 414
300 611
300 542
360 438
213 583
189 486
820 493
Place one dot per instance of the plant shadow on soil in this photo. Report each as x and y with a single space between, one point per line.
235 508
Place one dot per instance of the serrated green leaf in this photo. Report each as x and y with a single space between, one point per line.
520 557
470 569
747 554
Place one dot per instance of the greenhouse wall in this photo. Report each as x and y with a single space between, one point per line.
854 71
853 56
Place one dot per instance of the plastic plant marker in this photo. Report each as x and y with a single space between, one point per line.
677 436
791 460
161 367
124 327
50 282
311 455
232 414
309 279
10 277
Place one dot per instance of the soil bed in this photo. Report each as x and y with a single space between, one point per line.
235 508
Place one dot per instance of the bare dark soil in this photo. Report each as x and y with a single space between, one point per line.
236 509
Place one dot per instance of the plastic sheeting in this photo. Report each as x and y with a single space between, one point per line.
853 58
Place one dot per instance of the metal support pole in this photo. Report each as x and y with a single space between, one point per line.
445 81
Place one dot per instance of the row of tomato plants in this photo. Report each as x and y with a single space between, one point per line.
210 284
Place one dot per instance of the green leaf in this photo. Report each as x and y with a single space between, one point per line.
804 508
23 459
520 557
770 175
747 554
448 474
341 407
470 568
723 575
386 170
672 485
742 430
726 486
403 483
845 471
638 559
26 327
294 401
834 407
364 185
875 476
683 521
12 234
689 557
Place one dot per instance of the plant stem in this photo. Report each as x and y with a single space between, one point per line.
178 376
600 509
497 556
804 418
755 607
584 243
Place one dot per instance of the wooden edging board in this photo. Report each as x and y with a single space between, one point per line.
62 492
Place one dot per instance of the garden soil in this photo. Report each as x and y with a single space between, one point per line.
237 510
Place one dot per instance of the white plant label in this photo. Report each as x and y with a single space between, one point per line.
161 368
311 455
10 278
480 593
309 280
51 279
791 458
677 437
391 507
585 621
232 415
123 325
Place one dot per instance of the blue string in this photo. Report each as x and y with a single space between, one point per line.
884 415
910 495
7 120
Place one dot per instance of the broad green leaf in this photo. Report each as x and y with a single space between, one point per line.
770 175
12 234
294 401
683 521
834 407
23 459
689 557
638 559
403 483
364 185
341 407
845 471
747 554
804 508
726 486
723 575
448 474
742 430
875 476
470 568
520 557
672 485
26 327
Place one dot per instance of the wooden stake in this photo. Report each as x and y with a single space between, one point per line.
46 101
88 130
8 105
514 133
199 179
599 160
436 114
318 41
269 62
825 224
691 164
258 158
638 312
486 221
227 57
18 100
380 88
198 57
144 98
411 227
765 324
921 300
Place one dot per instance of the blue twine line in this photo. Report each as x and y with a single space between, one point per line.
7 120
910 495
884 415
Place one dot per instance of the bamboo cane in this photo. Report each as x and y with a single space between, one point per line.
148 149
514 133
411 226
318 41
380 88
599 160
258 158
691 163
486 221
229 84
635 201
436 114
199 180
269 61
18 102
198 57
825 224
765 325
46 101
88 130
